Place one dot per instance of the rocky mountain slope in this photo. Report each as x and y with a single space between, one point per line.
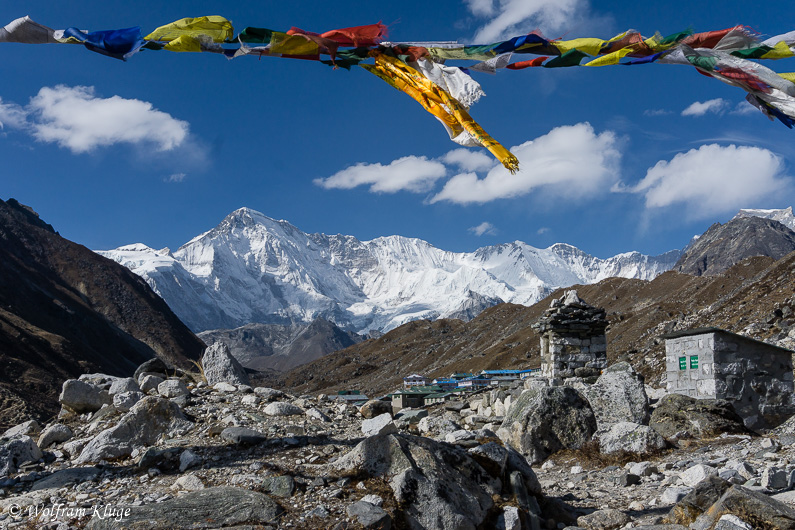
278 347
746 235
754 297
64 311
254 269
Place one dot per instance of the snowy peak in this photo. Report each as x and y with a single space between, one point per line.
783 216
254 269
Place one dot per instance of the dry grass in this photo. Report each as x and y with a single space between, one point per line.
589 456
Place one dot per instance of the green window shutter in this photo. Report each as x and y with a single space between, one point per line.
694 362
682 363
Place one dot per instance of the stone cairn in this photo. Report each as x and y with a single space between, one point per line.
573 342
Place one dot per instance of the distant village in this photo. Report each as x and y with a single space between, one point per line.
706 363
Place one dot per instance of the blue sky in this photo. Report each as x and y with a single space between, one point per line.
160 148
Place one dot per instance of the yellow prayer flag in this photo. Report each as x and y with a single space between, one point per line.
779 51
216 27
184 43
611 58
789 76
585 45
292 44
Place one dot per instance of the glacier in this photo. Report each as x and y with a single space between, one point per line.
254 269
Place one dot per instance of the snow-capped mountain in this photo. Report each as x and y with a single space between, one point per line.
251 268
783 216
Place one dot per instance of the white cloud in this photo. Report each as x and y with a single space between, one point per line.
484 228
656 112
509 18
469 160
570 162
12 115
75 118
543 230
410 173
715 106
714 179
176 177
744 109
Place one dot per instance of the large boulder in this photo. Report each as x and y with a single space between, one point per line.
15 452
629 437
755 508
439 486
697 501
618 396
53 434
375 407
81 396
678 416
208 508
220 367
547 419
146 421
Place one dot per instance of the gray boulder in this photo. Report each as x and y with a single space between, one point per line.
155 366
29 428
676 414
283 409
172 388
53 434
67 477
204 509
15 452
697 501
369 515
221 367
375 407
439 486
618 396
268 394
630 437
280 486
124 401
146 421
124 384
242 436
545 420
379 425
150 382
609 519
80 396
756 509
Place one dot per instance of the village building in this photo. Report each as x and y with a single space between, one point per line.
573 340
712 363
414 380
477 381
445 383
413 397
352 397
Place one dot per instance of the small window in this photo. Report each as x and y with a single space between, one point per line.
682 363
693 362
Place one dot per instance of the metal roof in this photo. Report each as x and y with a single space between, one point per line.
707 330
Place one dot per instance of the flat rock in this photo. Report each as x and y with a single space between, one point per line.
242 436
66 477
700 418
283 409
206 509
630 437
280 486
27 428
369 516
609 519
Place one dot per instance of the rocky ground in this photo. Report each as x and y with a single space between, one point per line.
174 450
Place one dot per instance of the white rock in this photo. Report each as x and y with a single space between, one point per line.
509 519
674 494
250 399
576 470
124 384
172 388
382 424
224 387
188 483
15 451
54 434
695 474
127 400
316 414
150 383
732 522
220 366
28 428
283 409
375 500
458 436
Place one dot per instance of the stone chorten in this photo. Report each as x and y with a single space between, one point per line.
573 341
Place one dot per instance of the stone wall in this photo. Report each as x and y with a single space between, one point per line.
756 377
573 341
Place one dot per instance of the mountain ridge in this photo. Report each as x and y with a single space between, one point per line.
252 268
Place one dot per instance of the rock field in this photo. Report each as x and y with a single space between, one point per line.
183 454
